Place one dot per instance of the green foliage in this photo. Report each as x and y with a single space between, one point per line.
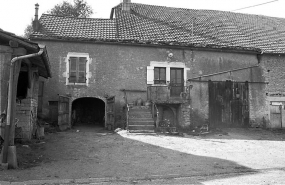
79 8
28 30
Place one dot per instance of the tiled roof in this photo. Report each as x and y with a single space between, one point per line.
76 28
173 26
41 61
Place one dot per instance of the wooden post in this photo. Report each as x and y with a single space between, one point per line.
17 68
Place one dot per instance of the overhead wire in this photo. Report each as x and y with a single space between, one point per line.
254 5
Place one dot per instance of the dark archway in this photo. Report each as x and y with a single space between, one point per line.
88 111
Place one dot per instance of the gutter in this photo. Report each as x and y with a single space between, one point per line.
10 102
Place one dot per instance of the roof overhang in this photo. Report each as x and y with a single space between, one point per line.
42 61
215 48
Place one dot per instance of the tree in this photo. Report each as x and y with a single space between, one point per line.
79 8
28 30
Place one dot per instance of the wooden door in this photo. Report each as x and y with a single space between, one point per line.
63 112
110 113
277 114
228 104
176 81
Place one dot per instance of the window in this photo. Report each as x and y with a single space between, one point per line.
162 73
77 69
159 75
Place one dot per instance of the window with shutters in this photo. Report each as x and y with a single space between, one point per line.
77 68
164 73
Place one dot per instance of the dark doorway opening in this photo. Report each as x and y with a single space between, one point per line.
88 111
22 86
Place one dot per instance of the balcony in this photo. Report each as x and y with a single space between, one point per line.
168 94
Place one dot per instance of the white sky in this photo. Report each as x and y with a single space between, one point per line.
15 15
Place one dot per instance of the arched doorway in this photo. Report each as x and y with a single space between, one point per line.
88 111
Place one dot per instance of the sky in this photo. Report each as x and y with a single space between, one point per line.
15 15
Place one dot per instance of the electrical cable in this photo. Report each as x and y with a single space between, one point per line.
254 5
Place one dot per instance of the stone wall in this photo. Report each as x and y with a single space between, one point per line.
115 67
26 113
186 111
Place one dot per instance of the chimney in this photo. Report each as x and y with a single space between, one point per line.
36 20
126 5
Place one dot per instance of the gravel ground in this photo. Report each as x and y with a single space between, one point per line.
235 156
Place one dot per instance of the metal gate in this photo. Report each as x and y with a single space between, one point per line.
228 104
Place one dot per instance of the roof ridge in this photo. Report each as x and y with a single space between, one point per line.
76 17
207 10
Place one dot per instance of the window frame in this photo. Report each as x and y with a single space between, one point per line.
77 70
155 64
160 79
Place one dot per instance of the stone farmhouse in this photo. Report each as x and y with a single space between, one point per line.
174 67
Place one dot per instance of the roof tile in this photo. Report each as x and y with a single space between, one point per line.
165 25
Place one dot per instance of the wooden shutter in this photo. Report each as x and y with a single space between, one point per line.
82 70
72 69
150 75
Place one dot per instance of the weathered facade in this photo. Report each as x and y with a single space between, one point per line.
193 67
115 68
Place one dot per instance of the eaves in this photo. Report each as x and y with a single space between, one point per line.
189 47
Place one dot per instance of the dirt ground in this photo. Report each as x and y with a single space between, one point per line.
88 152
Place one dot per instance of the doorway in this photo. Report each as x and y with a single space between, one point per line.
228 104
176 81
88 111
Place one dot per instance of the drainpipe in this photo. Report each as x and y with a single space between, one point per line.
10 101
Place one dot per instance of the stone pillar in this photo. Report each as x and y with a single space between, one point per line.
186 109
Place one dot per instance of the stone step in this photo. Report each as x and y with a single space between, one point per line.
139 107
131 119
139 110
141 123
141 127
140 118
135 116
142 131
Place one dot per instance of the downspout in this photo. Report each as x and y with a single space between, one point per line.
9 109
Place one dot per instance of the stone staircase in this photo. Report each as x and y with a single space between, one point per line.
140 120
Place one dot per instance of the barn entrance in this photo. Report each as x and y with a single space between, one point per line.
228 104
88 111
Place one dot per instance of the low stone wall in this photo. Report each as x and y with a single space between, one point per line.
26 112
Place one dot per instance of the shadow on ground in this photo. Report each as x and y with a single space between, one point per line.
88 152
